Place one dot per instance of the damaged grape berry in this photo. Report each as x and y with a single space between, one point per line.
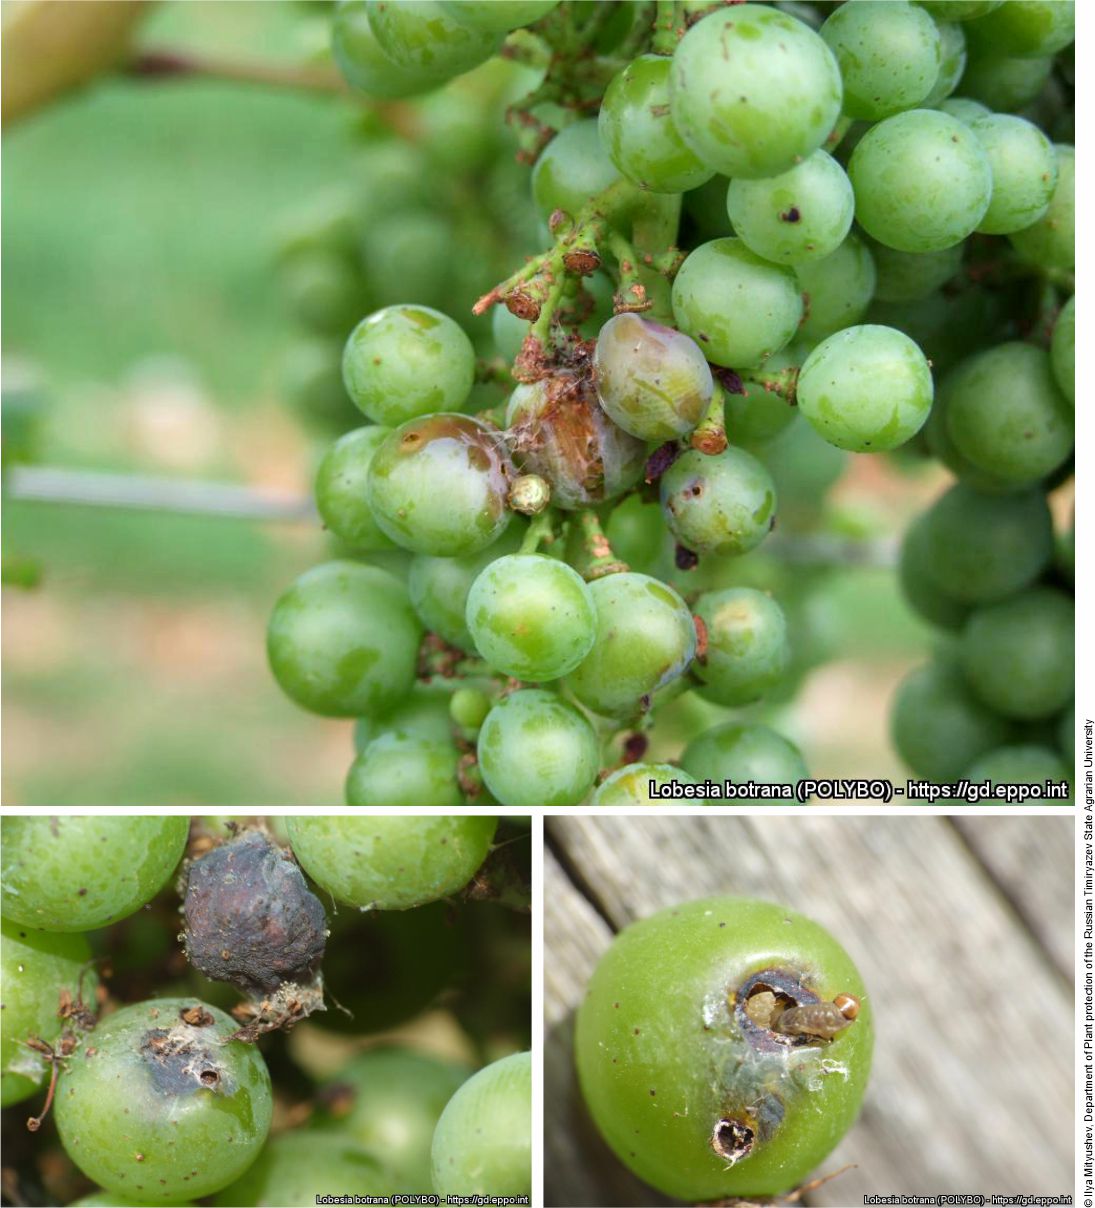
253 922
723 1048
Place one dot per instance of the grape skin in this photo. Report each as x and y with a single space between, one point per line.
630 785
1024 172
723 504
743 754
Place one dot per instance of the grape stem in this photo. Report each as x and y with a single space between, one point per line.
669 27
594 557
709 435
783 382
540 532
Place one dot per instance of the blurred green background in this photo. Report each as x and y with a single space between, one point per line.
140 282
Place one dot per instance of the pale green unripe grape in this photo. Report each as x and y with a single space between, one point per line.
867 389
497 16
439 587
1062 350
645 639
743 753
739 308
652 381
296 1167
964 108
483 1141
938 440
1051 241
364 65
952 63
393 862
722 504
889 53
801 214
1024 172
423 713
1005 414
1023 763
959 10
531 617
803 466
509 332
630 785
637 130
342 640
931 602
1003 83
420 36
154 1107
406 361
1019 655
405 770
535 749
922 182
757 415
837 290
747 648
571 169
340 489
785 97
1027 28
78 873
910 276
938 726
981 548
36 968
468 707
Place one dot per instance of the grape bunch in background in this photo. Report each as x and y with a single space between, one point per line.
770 236
167 1073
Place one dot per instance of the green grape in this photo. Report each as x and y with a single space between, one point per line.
407 770
158 1108
423 713
1005 414
439 587
915 573
1062 350
483 1142
743 754
558 431
651 380
340 489
1024 172
1020 764
362 62
785 97
390 862
747 648
723 504
1064 555
636 532
942 447
571 169
959 10
420 36
645 639
296 1167
1027 28
407 361
343 640
106 1199
674 1016
77 873
1051 241
739 308
922 182
438 485
630 785
964 108
867 389
837 290
1002 83
757 415
981 548
509 333
36 969
889 54
952 64
468 708
323 291
497 16
705 209
535 749
911 276
803 466
388 1101
1018 655
311 381
939 728
802 214
637 130
531 617
407 256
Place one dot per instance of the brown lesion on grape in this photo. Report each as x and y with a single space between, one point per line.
181 1062
732 1139
775 1011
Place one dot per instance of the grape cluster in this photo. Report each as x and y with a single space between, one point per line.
160 1085
773 235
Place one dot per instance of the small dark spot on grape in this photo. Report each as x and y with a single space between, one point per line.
791 215
616 1005
636 1032
722 924
139 1157
653 1093
81 893
209 1077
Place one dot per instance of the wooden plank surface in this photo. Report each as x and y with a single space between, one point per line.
968 962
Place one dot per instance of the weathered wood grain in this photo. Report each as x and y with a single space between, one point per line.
972 1088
